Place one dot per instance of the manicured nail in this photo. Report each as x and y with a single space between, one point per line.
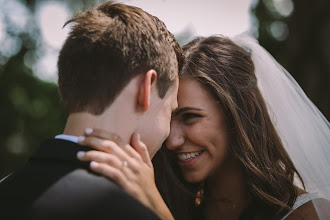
138 136
94 164
81 154
88 130
81 138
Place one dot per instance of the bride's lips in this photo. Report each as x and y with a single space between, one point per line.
188 158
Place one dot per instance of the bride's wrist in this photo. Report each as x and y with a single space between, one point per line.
159 206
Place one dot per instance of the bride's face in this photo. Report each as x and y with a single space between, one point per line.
199 135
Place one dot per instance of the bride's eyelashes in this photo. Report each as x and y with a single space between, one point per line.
190 117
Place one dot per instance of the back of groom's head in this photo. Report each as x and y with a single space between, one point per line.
108 46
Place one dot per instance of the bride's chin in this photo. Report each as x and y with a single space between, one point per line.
193 178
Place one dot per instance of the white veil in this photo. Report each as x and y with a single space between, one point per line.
304 131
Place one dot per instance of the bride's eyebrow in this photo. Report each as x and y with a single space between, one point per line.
181 110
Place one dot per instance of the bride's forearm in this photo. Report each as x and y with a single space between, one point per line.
160 207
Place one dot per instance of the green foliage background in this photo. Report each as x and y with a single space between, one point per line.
32 111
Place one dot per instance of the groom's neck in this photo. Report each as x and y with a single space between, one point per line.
115 120
120 118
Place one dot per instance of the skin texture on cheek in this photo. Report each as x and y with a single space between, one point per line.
160 118
214 144
203 131
220 142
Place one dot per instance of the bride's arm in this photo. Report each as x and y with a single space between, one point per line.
129 166
311 210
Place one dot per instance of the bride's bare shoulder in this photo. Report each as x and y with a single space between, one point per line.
308 211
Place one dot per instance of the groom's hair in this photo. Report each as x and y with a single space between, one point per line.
109 45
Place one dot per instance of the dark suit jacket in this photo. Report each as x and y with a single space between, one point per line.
55 185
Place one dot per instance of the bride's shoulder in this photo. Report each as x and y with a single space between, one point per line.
309 206
305 211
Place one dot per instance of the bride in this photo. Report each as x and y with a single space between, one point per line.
245 142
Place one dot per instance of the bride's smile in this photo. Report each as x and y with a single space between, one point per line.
198 134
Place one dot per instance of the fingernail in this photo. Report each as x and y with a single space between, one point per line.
94 164
138 136
88 130
81 138
81 154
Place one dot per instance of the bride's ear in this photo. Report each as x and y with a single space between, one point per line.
144 94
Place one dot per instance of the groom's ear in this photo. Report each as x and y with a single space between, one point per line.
144 94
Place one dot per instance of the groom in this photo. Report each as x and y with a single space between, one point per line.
118 71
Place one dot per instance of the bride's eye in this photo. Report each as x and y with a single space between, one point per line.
188 116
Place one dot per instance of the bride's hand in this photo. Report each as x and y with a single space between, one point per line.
128 165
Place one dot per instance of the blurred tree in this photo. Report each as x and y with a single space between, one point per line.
185 36
297 33
30 108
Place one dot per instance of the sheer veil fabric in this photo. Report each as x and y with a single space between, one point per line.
304 131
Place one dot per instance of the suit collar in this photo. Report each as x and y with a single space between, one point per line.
57 149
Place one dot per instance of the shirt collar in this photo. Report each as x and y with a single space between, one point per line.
66 137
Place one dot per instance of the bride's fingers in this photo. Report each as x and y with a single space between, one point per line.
132 152
141 148
104 145
104 135
110 172
110 147
111 160
100 157
106 141
123 171
119 176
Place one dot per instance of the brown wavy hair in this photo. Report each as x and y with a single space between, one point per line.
227 71
107 46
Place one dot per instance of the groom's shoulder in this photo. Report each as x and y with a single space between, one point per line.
53 187
82 193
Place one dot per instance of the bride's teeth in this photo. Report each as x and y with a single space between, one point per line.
188 156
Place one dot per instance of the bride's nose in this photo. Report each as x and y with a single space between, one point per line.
176 137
